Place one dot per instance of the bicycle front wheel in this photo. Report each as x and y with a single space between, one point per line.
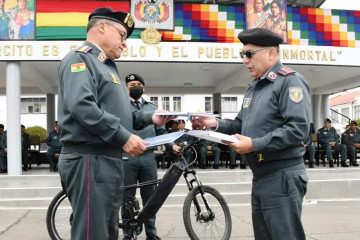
59 217
206 216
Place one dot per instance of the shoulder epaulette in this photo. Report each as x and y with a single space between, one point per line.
285 71
84 49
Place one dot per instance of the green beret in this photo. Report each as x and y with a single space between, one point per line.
121 17
134 77
260 37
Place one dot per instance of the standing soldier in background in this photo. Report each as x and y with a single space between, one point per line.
273 122
96 126
142 167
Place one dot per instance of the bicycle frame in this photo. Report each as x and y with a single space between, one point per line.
165 186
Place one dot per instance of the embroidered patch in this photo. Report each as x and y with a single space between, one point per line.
78 67
272 75
247 102
114 78
101 57
296 94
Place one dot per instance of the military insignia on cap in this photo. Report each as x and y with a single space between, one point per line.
247 102
129 20
114 79
132 77
296 94
272 75
101 57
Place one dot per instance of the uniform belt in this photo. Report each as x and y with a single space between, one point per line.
92 149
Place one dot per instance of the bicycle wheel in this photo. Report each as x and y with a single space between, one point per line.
59 217
202 223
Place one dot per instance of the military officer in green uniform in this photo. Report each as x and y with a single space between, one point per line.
329 139
96 123
351 138
273 122
143 167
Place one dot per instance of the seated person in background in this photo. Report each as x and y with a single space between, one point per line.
2 152
54 146
233 155
25 145
172 126
309 148
205 146
329 139
351 138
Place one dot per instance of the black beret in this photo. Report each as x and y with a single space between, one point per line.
121 17
134 77
353 122
260 37
22 126
181 120
328 120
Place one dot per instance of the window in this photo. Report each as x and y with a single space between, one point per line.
208 104
345 111
155 101
356 112
229 104
33 105
177 104
334 115
165 103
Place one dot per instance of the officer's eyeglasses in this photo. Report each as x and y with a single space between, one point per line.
249 54
122 34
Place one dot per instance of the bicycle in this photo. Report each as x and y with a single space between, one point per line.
206 214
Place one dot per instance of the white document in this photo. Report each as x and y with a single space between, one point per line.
187 114
212 136
163 139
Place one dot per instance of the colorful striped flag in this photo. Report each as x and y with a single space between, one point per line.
78 67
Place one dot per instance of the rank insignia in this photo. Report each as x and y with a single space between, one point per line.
78 67
296 94
101 57
114 78
246 102
272 75
260 157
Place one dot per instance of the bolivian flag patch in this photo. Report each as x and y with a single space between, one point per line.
296 94
78 67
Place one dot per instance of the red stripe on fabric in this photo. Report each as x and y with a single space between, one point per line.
88 199
78 6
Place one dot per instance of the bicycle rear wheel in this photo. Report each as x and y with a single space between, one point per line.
59 217
206 223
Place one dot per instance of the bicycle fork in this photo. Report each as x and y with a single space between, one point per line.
200 215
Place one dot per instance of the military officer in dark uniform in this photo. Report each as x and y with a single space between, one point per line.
143 167
54 146
96 122
273 122
351 138
329 139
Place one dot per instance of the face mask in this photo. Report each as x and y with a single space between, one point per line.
136 92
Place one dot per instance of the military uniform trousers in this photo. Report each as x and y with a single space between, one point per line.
203 154
311 150
352 153
94 186
140 169
341 148
50 155
277 204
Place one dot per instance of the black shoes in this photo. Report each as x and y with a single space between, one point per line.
311 165
25 168
331 164
232 166
216 166
3 170
355 164
242 166
153 238
343 164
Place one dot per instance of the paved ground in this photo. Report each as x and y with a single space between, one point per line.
322 221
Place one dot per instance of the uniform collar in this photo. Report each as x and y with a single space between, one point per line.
96 50
272 73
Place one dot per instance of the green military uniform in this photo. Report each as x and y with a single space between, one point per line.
275 114
326 135
351 137
143 167
96 121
